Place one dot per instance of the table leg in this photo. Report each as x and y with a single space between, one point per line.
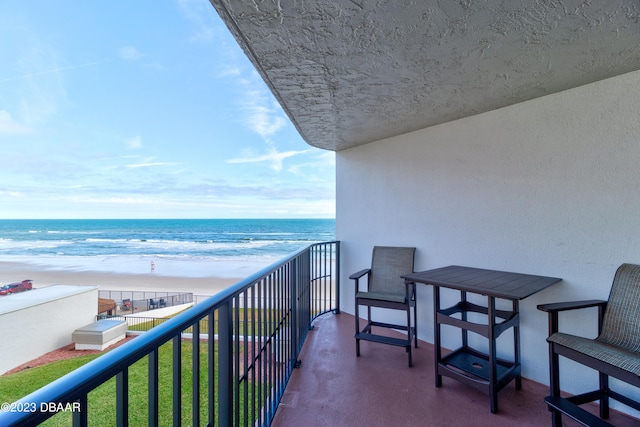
465 333
516 343
493 368
436 334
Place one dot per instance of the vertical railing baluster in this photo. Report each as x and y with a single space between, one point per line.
122 398
253 354
261 343
330 278
277 282
211 373
225 364
337 277
325 275
245 353
177 380
315 286
288 356
293 286
153 388
272 345
81 418
236 359
195 377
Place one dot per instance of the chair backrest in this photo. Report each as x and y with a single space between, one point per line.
621 323
387 266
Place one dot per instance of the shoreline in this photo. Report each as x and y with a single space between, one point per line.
43 276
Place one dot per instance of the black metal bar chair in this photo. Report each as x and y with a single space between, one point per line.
386 289
615 352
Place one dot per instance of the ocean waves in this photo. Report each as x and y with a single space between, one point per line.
199 246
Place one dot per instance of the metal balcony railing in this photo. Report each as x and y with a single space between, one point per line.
235 379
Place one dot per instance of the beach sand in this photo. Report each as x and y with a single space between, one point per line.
149 282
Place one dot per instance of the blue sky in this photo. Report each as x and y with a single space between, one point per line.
144 109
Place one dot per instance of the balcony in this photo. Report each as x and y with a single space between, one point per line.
256 370
333 387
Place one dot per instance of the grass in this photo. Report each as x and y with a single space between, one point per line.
101 404
101 401
272 317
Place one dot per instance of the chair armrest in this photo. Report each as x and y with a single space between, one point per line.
554 308
571 305
360 273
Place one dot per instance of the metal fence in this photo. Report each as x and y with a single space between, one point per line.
236 379
129 302
137 323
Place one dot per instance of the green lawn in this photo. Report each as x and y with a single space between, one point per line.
102 399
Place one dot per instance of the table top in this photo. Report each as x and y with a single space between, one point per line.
493 283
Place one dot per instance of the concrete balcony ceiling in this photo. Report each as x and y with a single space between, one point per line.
348 72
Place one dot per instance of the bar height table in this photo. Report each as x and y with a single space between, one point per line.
482 371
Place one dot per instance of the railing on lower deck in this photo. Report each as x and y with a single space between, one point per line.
236 379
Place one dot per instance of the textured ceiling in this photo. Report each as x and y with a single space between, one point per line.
348 72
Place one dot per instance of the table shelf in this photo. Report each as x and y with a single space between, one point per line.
472 367
510 318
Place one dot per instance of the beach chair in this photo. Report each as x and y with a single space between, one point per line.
615 352
162 303
152 304
386 289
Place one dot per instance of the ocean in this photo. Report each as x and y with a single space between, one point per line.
180 247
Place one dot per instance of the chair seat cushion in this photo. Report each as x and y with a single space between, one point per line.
382 296
615 356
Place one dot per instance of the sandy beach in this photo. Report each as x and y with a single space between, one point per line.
150 282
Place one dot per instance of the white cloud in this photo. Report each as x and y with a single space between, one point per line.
322 161
273 157
230 72
129 53
262 118
134 143
197 12
55 70
9 126
149 164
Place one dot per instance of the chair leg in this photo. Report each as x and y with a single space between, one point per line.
604 392
554 384
410 331
357 313
415 323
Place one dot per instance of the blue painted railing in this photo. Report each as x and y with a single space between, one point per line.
236 379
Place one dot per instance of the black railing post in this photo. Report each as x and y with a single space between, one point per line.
293 295
153 388
81 418
122 398
177 380
195 373
211 392
225 364
337 277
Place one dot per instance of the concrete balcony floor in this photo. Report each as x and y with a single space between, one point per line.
333 387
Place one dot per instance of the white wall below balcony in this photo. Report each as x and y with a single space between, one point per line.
549 187
42 320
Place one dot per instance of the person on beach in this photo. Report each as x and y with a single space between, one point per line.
153 266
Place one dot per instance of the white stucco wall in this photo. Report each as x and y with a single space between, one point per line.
548 187
42 320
